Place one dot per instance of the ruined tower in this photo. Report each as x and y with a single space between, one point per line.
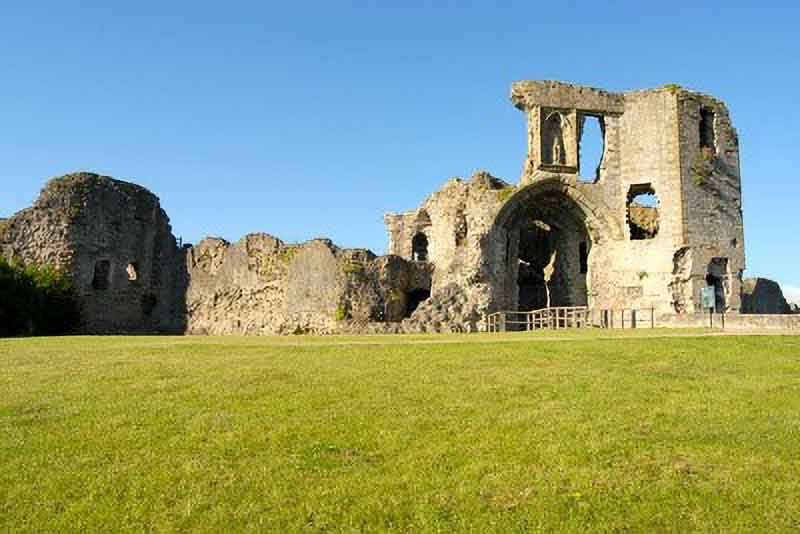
655 220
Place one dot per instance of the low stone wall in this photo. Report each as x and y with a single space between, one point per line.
731 321
261 285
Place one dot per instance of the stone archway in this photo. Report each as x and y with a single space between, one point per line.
543 237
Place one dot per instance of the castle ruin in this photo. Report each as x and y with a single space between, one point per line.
655 221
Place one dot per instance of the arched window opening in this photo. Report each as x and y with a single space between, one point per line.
133 271
419 247
642 212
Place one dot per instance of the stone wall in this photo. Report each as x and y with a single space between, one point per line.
731 321
712 203
261 285
115 241
760 295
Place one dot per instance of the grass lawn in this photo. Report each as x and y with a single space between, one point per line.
557 431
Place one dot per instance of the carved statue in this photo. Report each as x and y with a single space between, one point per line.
557 150
558 125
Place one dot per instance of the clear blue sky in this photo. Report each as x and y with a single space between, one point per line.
313 119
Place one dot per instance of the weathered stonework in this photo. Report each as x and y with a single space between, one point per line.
261 285
115 241
657 219
559 239
760 295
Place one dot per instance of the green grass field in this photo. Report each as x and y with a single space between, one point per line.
514 433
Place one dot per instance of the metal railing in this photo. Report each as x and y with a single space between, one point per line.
560 317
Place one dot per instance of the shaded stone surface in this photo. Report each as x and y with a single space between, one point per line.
760 295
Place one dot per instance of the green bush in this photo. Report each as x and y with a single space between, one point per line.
35 301
341 313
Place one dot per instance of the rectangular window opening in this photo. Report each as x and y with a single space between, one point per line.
707 136
591 148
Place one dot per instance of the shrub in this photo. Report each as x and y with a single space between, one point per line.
35 300
703 166
672 87
341 313
506 193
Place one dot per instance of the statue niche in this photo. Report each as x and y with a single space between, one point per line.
557 134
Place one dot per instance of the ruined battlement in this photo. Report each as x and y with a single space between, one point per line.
529 94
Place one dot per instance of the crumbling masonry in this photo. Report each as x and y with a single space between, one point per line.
656 219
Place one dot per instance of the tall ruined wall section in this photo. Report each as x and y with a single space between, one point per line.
640 156
641 269
453 221
115 241
454 225
712 202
